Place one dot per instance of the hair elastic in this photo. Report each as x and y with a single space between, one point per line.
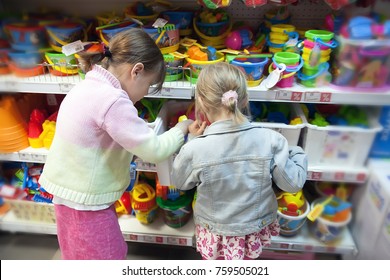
227 95
107 52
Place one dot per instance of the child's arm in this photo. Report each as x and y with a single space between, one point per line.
289 166
184 176
124 126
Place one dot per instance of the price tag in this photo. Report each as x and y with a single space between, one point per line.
296 96
65 87
38 158
283 95
11 86
323 97
166 91
72 48
312 96
160 22
25 157
339 176
313 175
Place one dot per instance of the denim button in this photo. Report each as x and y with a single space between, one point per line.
263 222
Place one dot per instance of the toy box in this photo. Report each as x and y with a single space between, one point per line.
381 146
340 144
292 132
32 211
371 225
169 110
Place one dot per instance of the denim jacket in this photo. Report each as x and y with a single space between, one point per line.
232 167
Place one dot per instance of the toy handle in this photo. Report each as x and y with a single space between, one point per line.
333 44
323 67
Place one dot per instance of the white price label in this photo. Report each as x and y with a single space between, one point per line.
65 87
73 48
25 157
165 91
11 86
323 97
38 158
283 95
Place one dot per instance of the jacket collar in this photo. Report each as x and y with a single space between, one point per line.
224 126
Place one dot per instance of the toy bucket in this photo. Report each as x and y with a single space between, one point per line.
252 66
164 37
326 230
25 36
4 69
176 212
197 65
106 32
174 68
60 64
216 41
65 33
293 64
182 20
323 35
25 60
314 76
140 11
291 225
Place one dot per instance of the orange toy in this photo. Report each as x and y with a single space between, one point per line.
194 52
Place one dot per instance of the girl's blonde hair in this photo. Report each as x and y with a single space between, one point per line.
130 46
216 79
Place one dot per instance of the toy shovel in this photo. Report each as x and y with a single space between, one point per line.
318 209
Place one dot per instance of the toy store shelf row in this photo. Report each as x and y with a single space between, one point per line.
158 232
185 90
335 173
61 85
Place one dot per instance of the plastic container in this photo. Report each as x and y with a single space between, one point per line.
26 36
176 212
170 109
197 65
33 211
291 132
252 66
346 146
64 33
361 64
291 225
182 20
25 59
106 33
326 230
60 64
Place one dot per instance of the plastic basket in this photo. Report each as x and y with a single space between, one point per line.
32 211
291 132
169 109
343 145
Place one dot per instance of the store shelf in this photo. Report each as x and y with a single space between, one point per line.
304 241
51 84
156 232
333 173
159 233
327 95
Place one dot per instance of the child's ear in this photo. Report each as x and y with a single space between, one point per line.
137 69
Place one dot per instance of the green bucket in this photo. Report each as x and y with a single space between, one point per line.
288 58
176 212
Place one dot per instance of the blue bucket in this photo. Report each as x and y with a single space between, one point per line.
25 59
65 33
106 34
26 36
182 19
253 66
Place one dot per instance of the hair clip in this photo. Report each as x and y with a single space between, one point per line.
227 95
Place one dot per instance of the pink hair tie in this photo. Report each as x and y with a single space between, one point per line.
227 95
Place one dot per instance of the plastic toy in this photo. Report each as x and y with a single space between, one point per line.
318 209
290 204
252 66
365 28
214 4
123 205
239 39
319 120
143 199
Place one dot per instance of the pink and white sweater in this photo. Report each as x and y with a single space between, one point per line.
97 133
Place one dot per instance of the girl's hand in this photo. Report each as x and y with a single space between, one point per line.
197 128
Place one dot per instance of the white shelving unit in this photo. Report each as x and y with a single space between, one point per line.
158 232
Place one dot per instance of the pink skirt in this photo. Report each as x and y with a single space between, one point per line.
214 246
